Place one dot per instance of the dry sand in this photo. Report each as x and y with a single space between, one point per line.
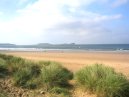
76 60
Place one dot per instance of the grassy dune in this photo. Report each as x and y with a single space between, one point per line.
50 76
53 79
103 81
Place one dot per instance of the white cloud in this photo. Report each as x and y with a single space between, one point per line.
34 21
117 3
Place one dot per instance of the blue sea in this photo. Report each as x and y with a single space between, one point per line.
88 47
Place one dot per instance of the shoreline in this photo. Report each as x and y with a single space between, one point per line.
66 50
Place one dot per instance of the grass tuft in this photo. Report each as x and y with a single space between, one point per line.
26 76
3 68
103 81
55 75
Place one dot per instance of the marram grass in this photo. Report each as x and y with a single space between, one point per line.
56 75
103 81
29 74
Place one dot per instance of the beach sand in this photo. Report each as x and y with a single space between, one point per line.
77 60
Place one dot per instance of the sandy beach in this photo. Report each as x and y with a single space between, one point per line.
76 60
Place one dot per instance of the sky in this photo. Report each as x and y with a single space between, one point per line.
64 21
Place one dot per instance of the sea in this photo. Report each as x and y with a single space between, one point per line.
87 47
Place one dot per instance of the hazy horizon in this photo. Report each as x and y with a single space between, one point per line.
64 44
25 22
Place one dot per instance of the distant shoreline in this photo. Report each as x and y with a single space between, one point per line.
66 47
60 50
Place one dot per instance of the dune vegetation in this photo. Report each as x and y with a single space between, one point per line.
50 76
53 79
103 81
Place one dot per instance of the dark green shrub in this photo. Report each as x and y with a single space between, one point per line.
103 81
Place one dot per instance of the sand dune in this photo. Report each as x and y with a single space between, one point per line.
76 60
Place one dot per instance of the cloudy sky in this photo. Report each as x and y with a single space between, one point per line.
64 21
